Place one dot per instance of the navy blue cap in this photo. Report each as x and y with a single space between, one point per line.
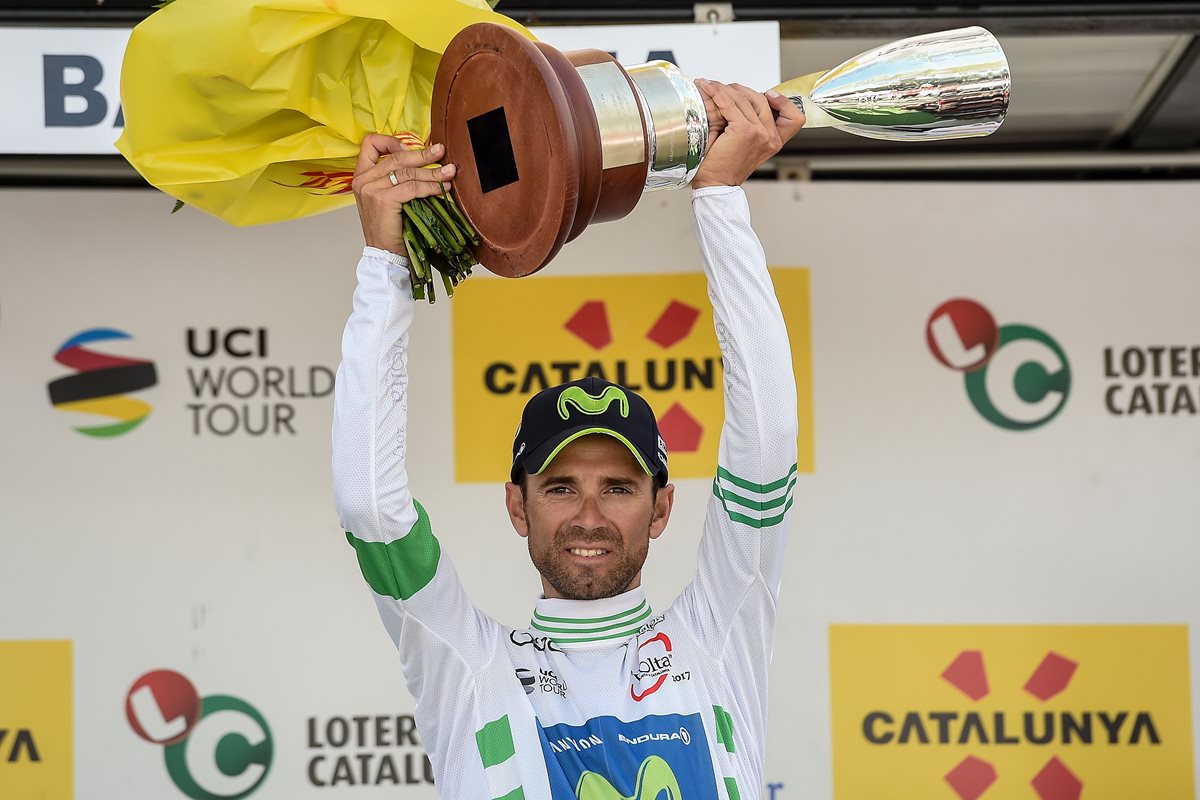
555 417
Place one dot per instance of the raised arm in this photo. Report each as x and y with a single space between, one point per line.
731 601
415 587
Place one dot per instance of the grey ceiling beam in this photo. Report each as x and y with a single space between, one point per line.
1156 80
1031 25
1077 15
113 171
1095 162
1172 119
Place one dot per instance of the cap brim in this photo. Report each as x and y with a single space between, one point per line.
540 457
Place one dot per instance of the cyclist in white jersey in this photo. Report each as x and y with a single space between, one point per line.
601 697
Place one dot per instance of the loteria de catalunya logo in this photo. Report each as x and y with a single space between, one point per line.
215 748
1017 377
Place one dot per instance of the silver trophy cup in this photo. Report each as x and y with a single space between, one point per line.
591 136
945 85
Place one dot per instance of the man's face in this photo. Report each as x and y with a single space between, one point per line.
589 518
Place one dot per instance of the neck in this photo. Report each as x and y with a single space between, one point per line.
550 593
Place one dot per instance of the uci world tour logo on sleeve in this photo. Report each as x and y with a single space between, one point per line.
1017 377
102 383
216 747
1011 712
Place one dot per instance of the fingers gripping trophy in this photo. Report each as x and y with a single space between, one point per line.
546 142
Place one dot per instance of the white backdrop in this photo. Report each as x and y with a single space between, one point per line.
220 557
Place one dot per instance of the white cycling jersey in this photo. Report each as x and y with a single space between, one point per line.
601 699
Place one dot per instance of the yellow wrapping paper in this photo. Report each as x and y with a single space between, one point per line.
799 86
254 110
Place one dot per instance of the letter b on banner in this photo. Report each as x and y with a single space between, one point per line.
85 73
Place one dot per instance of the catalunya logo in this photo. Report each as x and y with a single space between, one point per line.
651 334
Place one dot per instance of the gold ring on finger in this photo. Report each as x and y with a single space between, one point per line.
392 177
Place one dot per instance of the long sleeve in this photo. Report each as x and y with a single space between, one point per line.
444 641
371 408
369 434
731 602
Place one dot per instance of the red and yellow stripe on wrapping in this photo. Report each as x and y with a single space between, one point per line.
334 182
410 140
413 142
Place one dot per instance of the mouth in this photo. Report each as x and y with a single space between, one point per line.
587 552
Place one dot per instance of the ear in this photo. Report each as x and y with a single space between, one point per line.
514 501
664 499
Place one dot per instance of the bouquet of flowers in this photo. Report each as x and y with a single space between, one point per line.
253 110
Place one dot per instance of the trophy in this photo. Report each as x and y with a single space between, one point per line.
547 142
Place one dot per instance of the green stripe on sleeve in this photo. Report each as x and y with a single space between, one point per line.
516 794
761 488
401 568
495 742
724 728
759 505
732 790
753 522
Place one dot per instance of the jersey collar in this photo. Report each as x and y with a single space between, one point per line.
587 623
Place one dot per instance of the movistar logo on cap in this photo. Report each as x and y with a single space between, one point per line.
591 404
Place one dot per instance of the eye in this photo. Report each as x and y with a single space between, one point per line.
621 490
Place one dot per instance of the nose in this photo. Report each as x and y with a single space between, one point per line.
588 515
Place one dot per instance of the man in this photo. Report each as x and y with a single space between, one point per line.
599 699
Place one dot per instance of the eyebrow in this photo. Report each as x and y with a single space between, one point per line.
607 480
563 479
619 480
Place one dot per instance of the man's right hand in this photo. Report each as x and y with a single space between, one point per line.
756 127
379 197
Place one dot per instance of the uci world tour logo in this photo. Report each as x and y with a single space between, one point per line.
100 383
216 748
1016 376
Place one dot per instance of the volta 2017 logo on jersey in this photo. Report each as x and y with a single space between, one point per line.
216 747
1016 376
1001 712
653 668
102 382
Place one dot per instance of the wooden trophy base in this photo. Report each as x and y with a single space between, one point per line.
534 168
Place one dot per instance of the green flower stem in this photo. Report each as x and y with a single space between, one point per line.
438 237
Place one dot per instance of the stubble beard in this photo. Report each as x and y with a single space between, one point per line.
588 583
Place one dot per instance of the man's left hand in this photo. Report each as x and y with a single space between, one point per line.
752 132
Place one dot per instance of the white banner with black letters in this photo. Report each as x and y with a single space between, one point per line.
60 87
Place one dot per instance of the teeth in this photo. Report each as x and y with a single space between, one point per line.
579 551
